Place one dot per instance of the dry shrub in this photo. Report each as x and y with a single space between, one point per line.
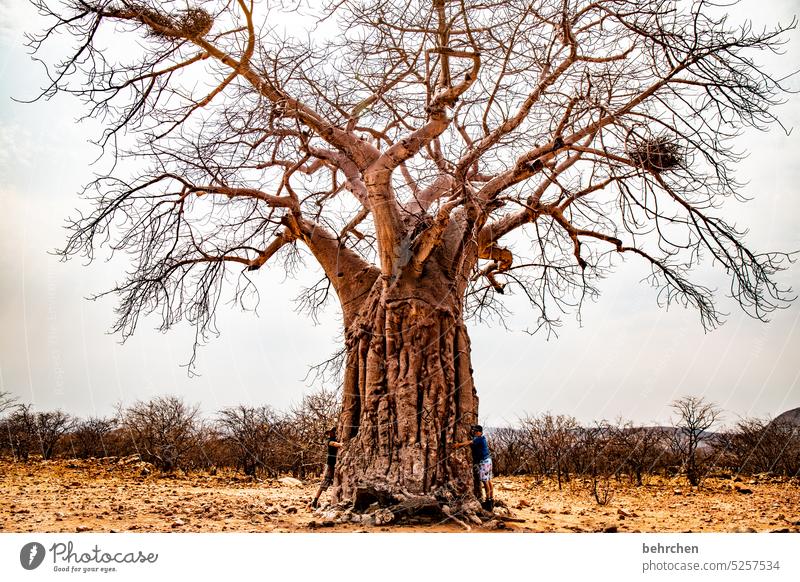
602 490
90 437
163 430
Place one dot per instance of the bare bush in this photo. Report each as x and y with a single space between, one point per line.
210 448
762 446
303 432
49 428
551 440
590 454
694 417
7 401
91 437
20 432
510 455
26 432
253 435
162 430
602 489
642 449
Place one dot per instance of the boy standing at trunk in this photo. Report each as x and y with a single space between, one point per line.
330 465
481 463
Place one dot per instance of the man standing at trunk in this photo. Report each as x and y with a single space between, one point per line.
330 465
481 462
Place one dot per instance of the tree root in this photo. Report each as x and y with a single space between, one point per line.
446 511
380 505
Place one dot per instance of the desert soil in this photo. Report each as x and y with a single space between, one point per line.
124 495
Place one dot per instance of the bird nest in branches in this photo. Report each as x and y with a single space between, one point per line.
655 154
191 23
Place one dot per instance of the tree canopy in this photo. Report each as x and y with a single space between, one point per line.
520 145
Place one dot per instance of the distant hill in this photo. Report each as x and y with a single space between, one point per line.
792 416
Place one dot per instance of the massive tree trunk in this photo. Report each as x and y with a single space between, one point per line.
408 391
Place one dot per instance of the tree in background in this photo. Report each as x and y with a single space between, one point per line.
643 448
20 430
761 446
693 417
91 437
7 401
253 432
162 430
49 427
304 431
432 157
510 455
552 440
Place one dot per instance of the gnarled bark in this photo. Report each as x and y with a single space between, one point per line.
408 392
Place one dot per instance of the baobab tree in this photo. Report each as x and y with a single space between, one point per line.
432 157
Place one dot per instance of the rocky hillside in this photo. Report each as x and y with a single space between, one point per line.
792 416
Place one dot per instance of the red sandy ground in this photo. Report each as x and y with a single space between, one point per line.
106 495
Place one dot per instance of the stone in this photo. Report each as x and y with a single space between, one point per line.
383 517
610 529
290 481
129 459
178 523
82 528
330 515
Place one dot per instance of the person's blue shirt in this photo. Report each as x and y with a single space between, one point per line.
480 449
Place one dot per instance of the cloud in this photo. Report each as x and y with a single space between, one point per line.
16 148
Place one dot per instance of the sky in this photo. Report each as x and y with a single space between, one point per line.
627 357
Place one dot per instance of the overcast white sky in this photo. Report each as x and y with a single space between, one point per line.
629 358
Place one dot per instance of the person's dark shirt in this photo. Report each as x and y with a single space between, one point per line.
332 452
480 449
